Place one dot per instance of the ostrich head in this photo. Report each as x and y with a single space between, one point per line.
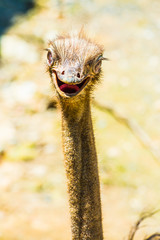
74 64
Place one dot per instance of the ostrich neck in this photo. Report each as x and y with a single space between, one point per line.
82 171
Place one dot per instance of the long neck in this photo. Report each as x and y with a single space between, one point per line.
82 171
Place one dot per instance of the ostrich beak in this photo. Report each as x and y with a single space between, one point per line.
70 82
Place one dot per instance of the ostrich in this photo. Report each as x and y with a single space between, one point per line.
74 65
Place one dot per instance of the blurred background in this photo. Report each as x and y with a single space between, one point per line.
33 195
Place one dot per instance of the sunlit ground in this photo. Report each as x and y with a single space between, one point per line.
33 195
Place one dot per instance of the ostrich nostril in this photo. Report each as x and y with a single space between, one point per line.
78 75
63 72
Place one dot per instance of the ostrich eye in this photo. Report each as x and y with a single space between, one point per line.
50 57
98 63
97 67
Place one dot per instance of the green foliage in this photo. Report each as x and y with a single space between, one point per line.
21 152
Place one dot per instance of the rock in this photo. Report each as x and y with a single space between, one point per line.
19 92
8 133
15 48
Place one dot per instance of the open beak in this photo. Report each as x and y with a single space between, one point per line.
67 87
